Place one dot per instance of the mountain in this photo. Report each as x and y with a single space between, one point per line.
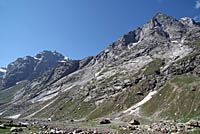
150 73
29 68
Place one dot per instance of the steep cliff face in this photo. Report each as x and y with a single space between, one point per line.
115 82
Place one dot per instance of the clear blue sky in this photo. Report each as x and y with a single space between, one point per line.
77 28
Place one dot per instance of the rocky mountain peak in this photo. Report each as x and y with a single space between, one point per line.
29 68
165 22
49 54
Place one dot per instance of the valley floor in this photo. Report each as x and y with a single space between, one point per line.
94 127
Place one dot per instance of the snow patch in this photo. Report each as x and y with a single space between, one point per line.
133 44
37 58
14 116
174 41
136 107
1 113
185 18
63 61
18 82
2 70
66 58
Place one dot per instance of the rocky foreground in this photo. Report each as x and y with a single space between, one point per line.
108 127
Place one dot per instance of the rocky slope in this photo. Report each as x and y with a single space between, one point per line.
120 83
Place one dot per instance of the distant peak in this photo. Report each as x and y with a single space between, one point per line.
48 52
159 14
187 21
186 18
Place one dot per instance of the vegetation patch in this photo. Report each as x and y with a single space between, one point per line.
178 99
153 67
7 95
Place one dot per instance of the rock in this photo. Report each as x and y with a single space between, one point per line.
49 119
52 131
2 126
22 124
134 122
105 121
13 129
131 128
77 131
193 123
140 93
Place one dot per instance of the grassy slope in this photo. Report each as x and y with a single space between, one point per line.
7 95
178 99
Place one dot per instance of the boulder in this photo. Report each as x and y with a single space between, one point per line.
105 121
134 122
2 126
140 94
13 129
193 123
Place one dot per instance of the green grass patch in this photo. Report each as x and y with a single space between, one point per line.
197 45
7 95
5 131
153 67
178 99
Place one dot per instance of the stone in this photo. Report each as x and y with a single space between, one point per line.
105 121
193 123
13 129
134 122
2 126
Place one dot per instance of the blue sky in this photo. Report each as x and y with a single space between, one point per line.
77 28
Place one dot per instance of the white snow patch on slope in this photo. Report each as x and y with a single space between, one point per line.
66 58
14 116
133 44
185 18
2 70
136 107
1 113
37 58
174 41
